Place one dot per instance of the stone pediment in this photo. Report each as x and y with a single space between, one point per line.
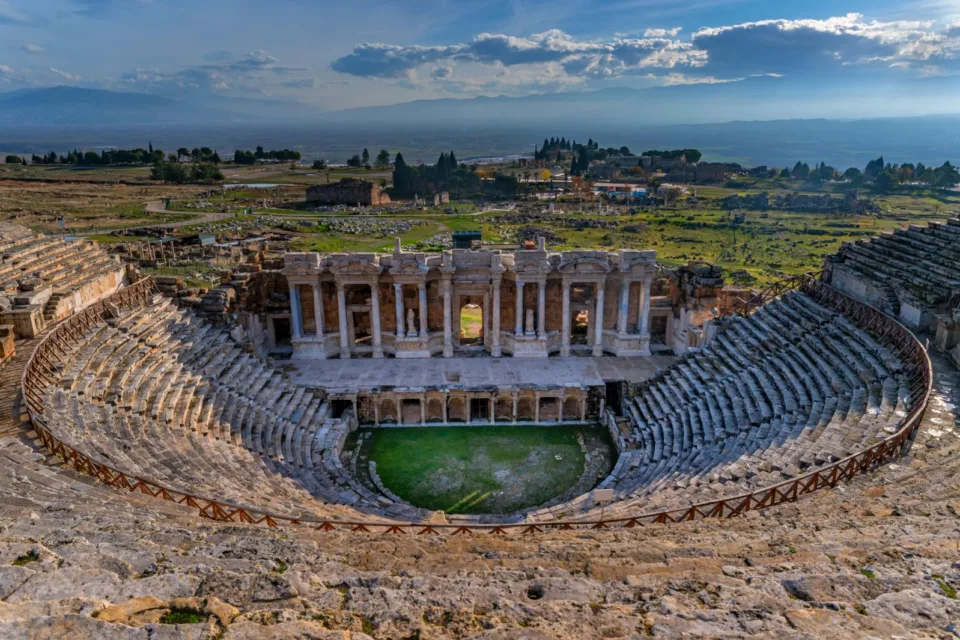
409 265
585 264
301 263
355 264
530 264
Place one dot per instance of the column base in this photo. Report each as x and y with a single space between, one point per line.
496 351
597 351
344 355
630 345
410 348
378 352
526 346
448 351
311 348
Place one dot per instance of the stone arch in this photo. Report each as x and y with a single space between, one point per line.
457 409
526 407
504 408
549 409
434 410
388 411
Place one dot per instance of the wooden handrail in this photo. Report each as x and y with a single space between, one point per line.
49 353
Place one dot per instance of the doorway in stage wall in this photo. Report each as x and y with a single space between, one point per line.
471 325
362 329
479 410
580 327
614 397
282 332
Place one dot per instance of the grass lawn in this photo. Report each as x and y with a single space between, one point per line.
470 470
471 323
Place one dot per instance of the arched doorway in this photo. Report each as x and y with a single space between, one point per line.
471 325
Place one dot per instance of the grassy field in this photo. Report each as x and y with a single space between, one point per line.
478 469
754 250
471 323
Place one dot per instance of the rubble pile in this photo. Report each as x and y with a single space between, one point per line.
802 203
371 228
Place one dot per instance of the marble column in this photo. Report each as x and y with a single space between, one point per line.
565 340
375 320
447 321
423 410
624 309
485 321
598 323
536 408
296 314
643 323
318 310
495 325
423 313
398 292
542 308
519 323
515 401
342 311
560 409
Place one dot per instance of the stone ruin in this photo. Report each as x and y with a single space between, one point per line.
912 274
349 191
194 480
46 279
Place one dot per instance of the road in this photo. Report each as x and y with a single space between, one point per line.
159 207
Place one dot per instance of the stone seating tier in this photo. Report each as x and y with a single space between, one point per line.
922 261
163 394
790 388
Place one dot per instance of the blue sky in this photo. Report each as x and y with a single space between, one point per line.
371 52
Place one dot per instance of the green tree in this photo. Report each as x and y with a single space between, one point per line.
383 159
365 158
319 165
885 182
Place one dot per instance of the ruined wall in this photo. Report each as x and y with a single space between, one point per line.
349 191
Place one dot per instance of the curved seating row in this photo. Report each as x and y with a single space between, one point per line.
44 279
162 394
921 262
790 388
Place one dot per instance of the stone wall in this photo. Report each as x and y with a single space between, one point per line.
349 191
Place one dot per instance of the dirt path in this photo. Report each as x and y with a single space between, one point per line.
158 207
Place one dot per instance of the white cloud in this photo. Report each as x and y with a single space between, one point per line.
9 15
806 45
32 48
5 70
65 75
662 33
608 58
712 54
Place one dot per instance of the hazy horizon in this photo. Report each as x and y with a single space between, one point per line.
820 58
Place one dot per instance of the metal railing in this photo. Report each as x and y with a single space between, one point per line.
50 356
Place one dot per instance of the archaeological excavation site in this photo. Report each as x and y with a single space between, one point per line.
479 443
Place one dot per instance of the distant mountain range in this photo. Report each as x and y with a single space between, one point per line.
78 106
728 122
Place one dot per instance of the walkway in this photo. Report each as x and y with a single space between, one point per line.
366 374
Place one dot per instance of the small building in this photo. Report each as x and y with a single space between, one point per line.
708 172
465 239
349 191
